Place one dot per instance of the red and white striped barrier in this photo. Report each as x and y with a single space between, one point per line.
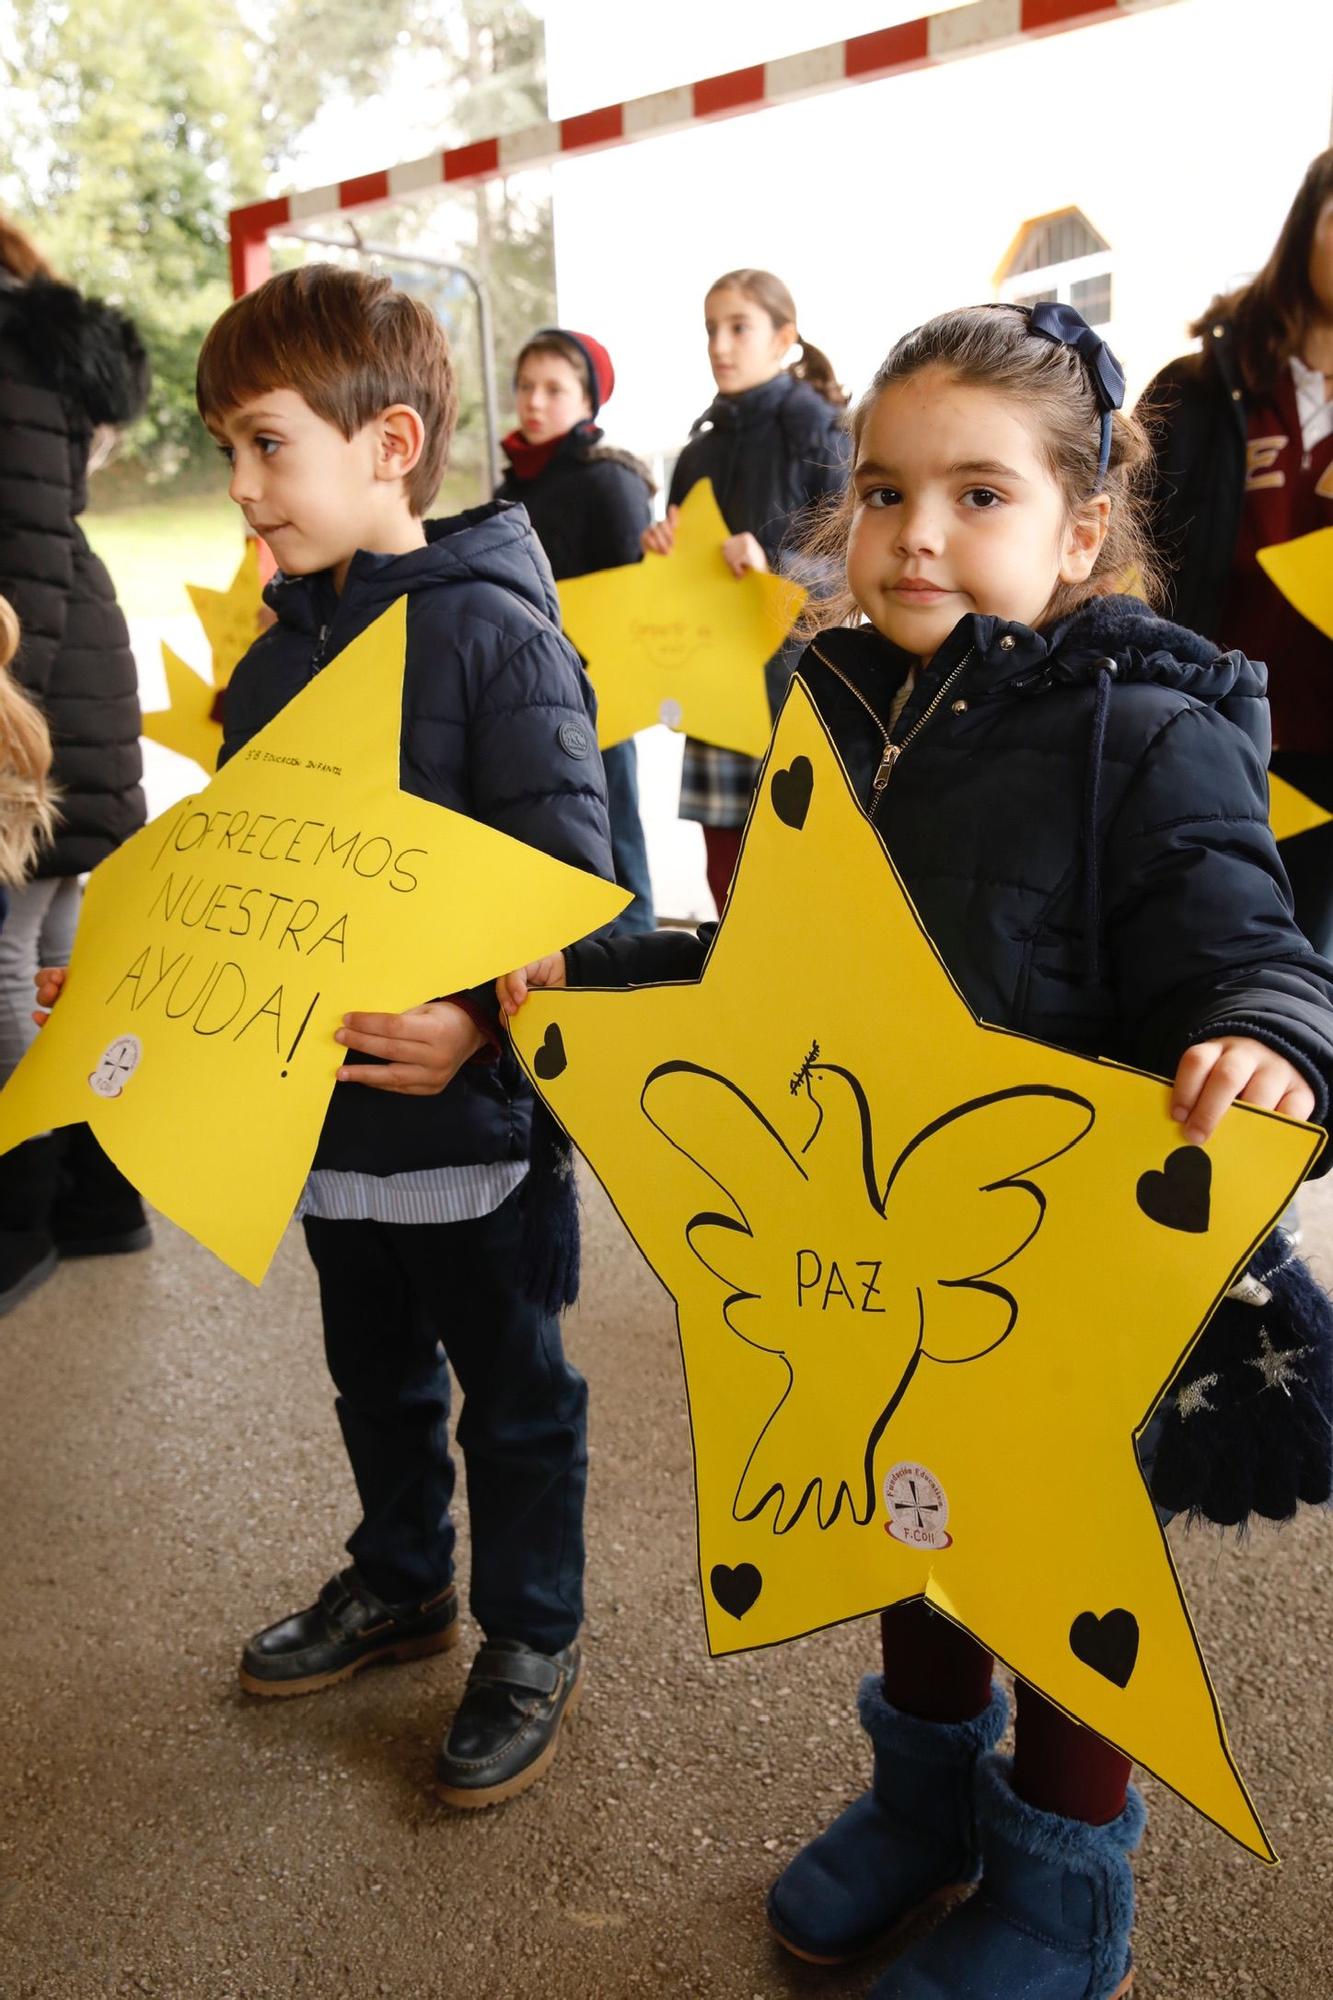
934 38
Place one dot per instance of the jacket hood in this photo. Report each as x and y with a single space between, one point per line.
86 350
494 544
783 392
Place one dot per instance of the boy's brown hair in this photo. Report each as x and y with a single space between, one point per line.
346 342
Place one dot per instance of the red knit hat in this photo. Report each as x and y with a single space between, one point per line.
601 374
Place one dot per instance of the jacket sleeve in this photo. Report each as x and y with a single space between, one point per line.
624 510
644 958
533 763
37 533
1199 913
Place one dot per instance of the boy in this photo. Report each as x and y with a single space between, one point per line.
332 397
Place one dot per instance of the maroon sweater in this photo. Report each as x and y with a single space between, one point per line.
1288 492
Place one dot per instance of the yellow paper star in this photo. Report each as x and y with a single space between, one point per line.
220 947
678 639
1303 571
192 724
1290 812
931 1278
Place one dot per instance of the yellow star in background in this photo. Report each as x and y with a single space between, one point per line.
220 947
678 639
931 1278
1290 812
1303 571
232 621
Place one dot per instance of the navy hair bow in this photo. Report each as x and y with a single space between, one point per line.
1067 327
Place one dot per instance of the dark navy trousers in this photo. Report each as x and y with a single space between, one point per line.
401 1302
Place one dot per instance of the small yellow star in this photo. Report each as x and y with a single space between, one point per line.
219 949
931 1277
678 639
192 723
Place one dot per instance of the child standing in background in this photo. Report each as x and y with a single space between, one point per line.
772 443
589 505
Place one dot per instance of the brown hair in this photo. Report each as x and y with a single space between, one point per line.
350 345
27 800
1269 316
771 296
992 348
564 350
19 255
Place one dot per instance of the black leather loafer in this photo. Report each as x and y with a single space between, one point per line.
348 1628
507 1729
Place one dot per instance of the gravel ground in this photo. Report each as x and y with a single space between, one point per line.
172 1479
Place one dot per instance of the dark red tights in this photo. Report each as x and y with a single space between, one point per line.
722 847
935 1671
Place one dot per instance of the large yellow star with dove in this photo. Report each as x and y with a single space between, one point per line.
219 949
678 639
931 1278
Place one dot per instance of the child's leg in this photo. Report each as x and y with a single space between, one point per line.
393 1399
932 1669
522 1432
1061 1767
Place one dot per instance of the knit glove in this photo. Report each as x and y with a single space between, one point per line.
1249 1427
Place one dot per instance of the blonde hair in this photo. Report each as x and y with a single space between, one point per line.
27 798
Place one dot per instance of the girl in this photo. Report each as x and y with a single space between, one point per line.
73 370
589 506
1245 459
773 444
1073 793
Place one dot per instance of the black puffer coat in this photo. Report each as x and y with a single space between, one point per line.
68 364
498 723
771 453
589 504
1197 417
1081 818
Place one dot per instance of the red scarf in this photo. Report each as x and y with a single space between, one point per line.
527 460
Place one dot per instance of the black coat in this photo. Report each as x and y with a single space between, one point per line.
498 723
1173 927
68 364
771 453
1197 417
589 504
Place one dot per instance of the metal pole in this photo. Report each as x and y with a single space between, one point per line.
485 325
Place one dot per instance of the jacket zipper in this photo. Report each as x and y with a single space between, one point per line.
321 647
893 751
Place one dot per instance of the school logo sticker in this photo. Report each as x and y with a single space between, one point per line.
119 1061
918 1507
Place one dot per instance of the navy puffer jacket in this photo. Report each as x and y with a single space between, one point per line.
1081 818
68 364
498 723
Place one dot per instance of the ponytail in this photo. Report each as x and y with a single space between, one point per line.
816 370
27 800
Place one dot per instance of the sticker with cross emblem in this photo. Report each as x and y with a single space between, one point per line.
119 1062
918 1507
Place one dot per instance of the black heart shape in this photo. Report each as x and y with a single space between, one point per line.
550 1058
1108 1645
736 1589
1178 1196
790 792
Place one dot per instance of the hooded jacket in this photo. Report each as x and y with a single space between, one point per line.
68 364
1080 817
498 723
589 504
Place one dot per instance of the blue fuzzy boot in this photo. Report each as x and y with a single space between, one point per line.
907 1842
1052 1918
